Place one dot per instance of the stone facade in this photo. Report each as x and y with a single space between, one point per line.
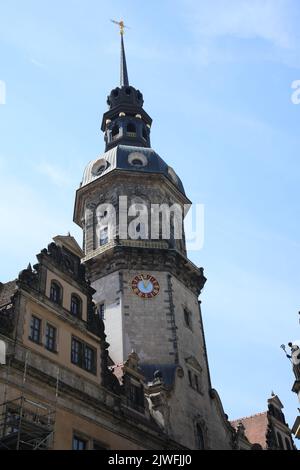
164 330
267 430
104 348
80 402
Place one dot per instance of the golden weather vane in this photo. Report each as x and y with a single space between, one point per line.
121 25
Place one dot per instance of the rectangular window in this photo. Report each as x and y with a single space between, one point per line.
136 397
84 356
76 355
104 236
50 338
35 330
89 359
79 443
101 311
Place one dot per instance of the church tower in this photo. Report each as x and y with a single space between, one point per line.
131 206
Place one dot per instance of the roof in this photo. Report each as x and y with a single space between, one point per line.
256 427
7 290
70 243
119 158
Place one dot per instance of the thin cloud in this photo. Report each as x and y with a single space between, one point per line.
57 176
266 20
37 63
272 23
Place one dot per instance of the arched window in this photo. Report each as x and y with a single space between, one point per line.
288 444
280 442
115 132
56 292
131 130
199 437
76 305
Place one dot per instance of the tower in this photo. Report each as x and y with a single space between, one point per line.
131 206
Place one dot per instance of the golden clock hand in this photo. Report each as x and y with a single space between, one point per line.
145 282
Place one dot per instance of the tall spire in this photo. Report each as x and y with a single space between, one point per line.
123 71
125 122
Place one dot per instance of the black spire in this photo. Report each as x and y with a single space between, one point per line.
123 71
126 122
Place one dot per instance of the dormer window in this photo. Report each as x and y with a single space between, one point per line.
101 169
76 306
131 130
56 292
137 162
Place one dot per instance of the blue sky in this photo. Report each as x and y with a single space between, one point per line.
216 78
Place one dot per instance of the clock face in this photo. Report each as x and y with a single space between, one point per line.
145 286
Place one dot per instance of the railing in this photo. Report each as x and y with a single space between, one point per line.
25 424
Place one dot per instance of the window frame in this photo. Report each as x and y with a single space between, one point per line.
131 129
79 305
54 349
31 337
80 439
115 132
200 439
54 282
89 359
81 355
195 380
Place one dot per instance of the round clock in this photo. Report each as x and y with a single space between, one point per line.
145 286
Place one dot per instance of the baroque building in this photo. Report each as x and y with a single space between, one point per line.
146 288
104 347
267 430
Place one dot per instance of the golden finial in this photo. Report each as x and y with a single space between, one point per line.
121 25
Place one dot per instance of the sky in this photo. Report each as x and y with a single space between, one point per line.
217 80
